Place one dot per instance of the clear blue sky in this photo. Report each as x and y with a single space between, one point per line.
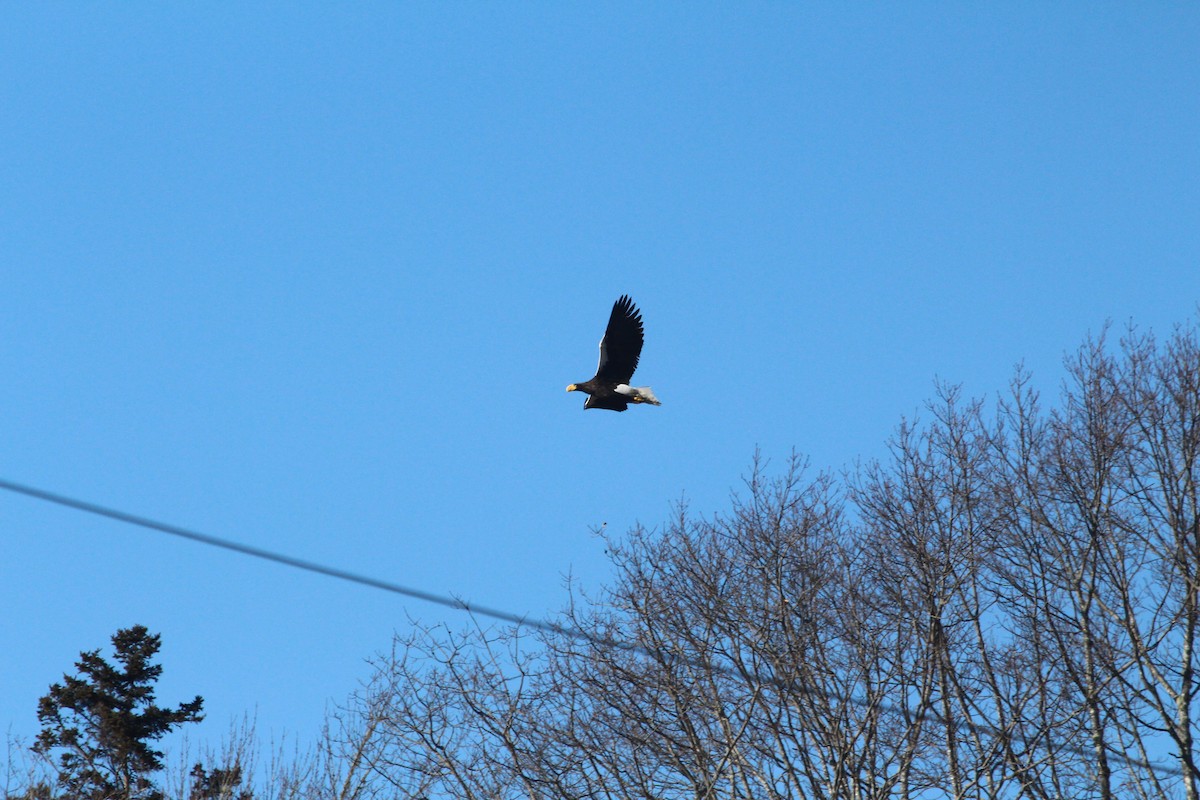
314 276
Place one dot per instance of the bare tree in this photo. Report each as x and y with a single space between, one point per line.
1156 597
1004 608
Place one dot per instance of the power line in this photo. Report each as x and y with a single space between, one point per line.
505 616
281 558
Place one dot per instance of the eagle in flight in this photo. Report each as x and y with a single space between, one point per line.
619 352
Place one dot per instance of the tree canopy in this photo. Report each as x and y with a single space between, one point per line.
103 722
1005 607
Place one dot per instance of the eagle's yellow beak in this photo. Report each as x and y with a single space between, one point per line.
572 388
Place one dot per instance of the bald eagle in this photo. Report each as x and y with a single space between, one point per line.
619 352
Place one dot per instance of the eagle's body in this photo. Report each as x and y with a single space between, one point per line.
620 350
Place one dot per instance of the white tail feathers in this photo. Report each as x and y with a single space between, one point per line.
638 394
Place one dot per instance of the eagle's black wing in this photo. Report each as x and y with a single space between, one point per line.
622 343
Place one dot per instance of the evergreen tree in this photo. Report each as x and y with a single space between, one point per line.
104 721
218 784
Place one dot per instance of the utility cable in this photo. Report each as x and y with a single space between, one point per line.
281 558
494 613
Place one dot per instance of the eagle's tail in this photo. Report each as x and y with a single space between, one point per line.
639 394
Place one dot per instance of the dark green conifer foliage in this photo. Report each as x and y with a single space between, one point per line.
218 784
103 722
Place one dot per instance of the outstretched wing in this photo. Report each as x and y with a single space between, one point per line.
622 343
